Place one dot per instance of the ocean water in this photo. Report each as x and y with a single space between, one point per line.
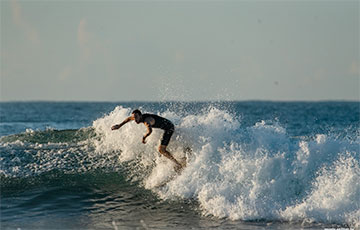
250 165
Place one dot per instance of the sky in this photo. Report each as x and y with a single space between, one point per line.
179 50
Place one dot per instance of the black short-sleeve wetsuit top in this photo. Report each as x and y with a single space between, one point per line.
161 123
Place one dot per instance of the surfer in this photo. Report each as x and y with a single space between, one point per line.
154 121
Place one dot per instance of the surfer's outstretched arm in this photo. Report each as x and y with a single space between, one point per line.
118 126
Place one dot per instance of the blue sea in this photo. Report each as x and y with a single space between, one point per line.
250 165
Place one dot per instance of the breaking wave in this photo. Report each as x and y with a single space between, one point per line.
249 173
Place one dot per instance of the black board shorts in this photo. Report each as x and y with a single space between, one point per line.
167 135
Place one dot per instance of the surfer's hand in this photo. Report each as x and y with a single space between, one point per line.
143 140
115 127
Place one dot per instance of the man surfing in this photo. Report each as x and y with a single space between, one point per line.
154 121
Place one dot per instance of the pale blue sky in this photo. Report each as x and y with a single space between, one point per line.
193 50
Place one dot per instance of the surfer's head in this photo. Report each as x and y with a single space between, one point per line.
137 115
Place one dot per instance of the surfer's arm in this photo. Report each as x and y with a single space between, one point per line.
118 126
148 126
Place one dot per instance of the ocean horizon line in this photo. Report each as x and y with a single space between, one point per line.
180 101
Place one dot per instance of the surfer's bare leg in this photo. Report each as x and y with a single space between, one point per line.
163 151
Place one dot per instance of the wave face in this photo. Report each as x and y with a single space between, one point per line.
237 169
257 172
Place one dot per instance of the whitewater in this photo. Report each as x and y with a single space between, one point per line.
261 171
258 173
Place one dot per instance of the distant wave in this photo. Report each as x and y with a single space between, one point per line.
51 136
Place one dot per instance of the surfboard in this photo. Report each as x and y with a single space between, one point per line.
169 179
176 173
187 153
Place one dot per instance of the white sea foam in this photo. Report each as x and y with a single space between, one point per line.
258 172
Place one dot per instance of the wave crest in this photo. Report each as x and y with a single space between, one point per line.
247 173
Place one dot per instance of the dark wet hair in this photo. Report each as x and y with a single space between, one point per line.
136 111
